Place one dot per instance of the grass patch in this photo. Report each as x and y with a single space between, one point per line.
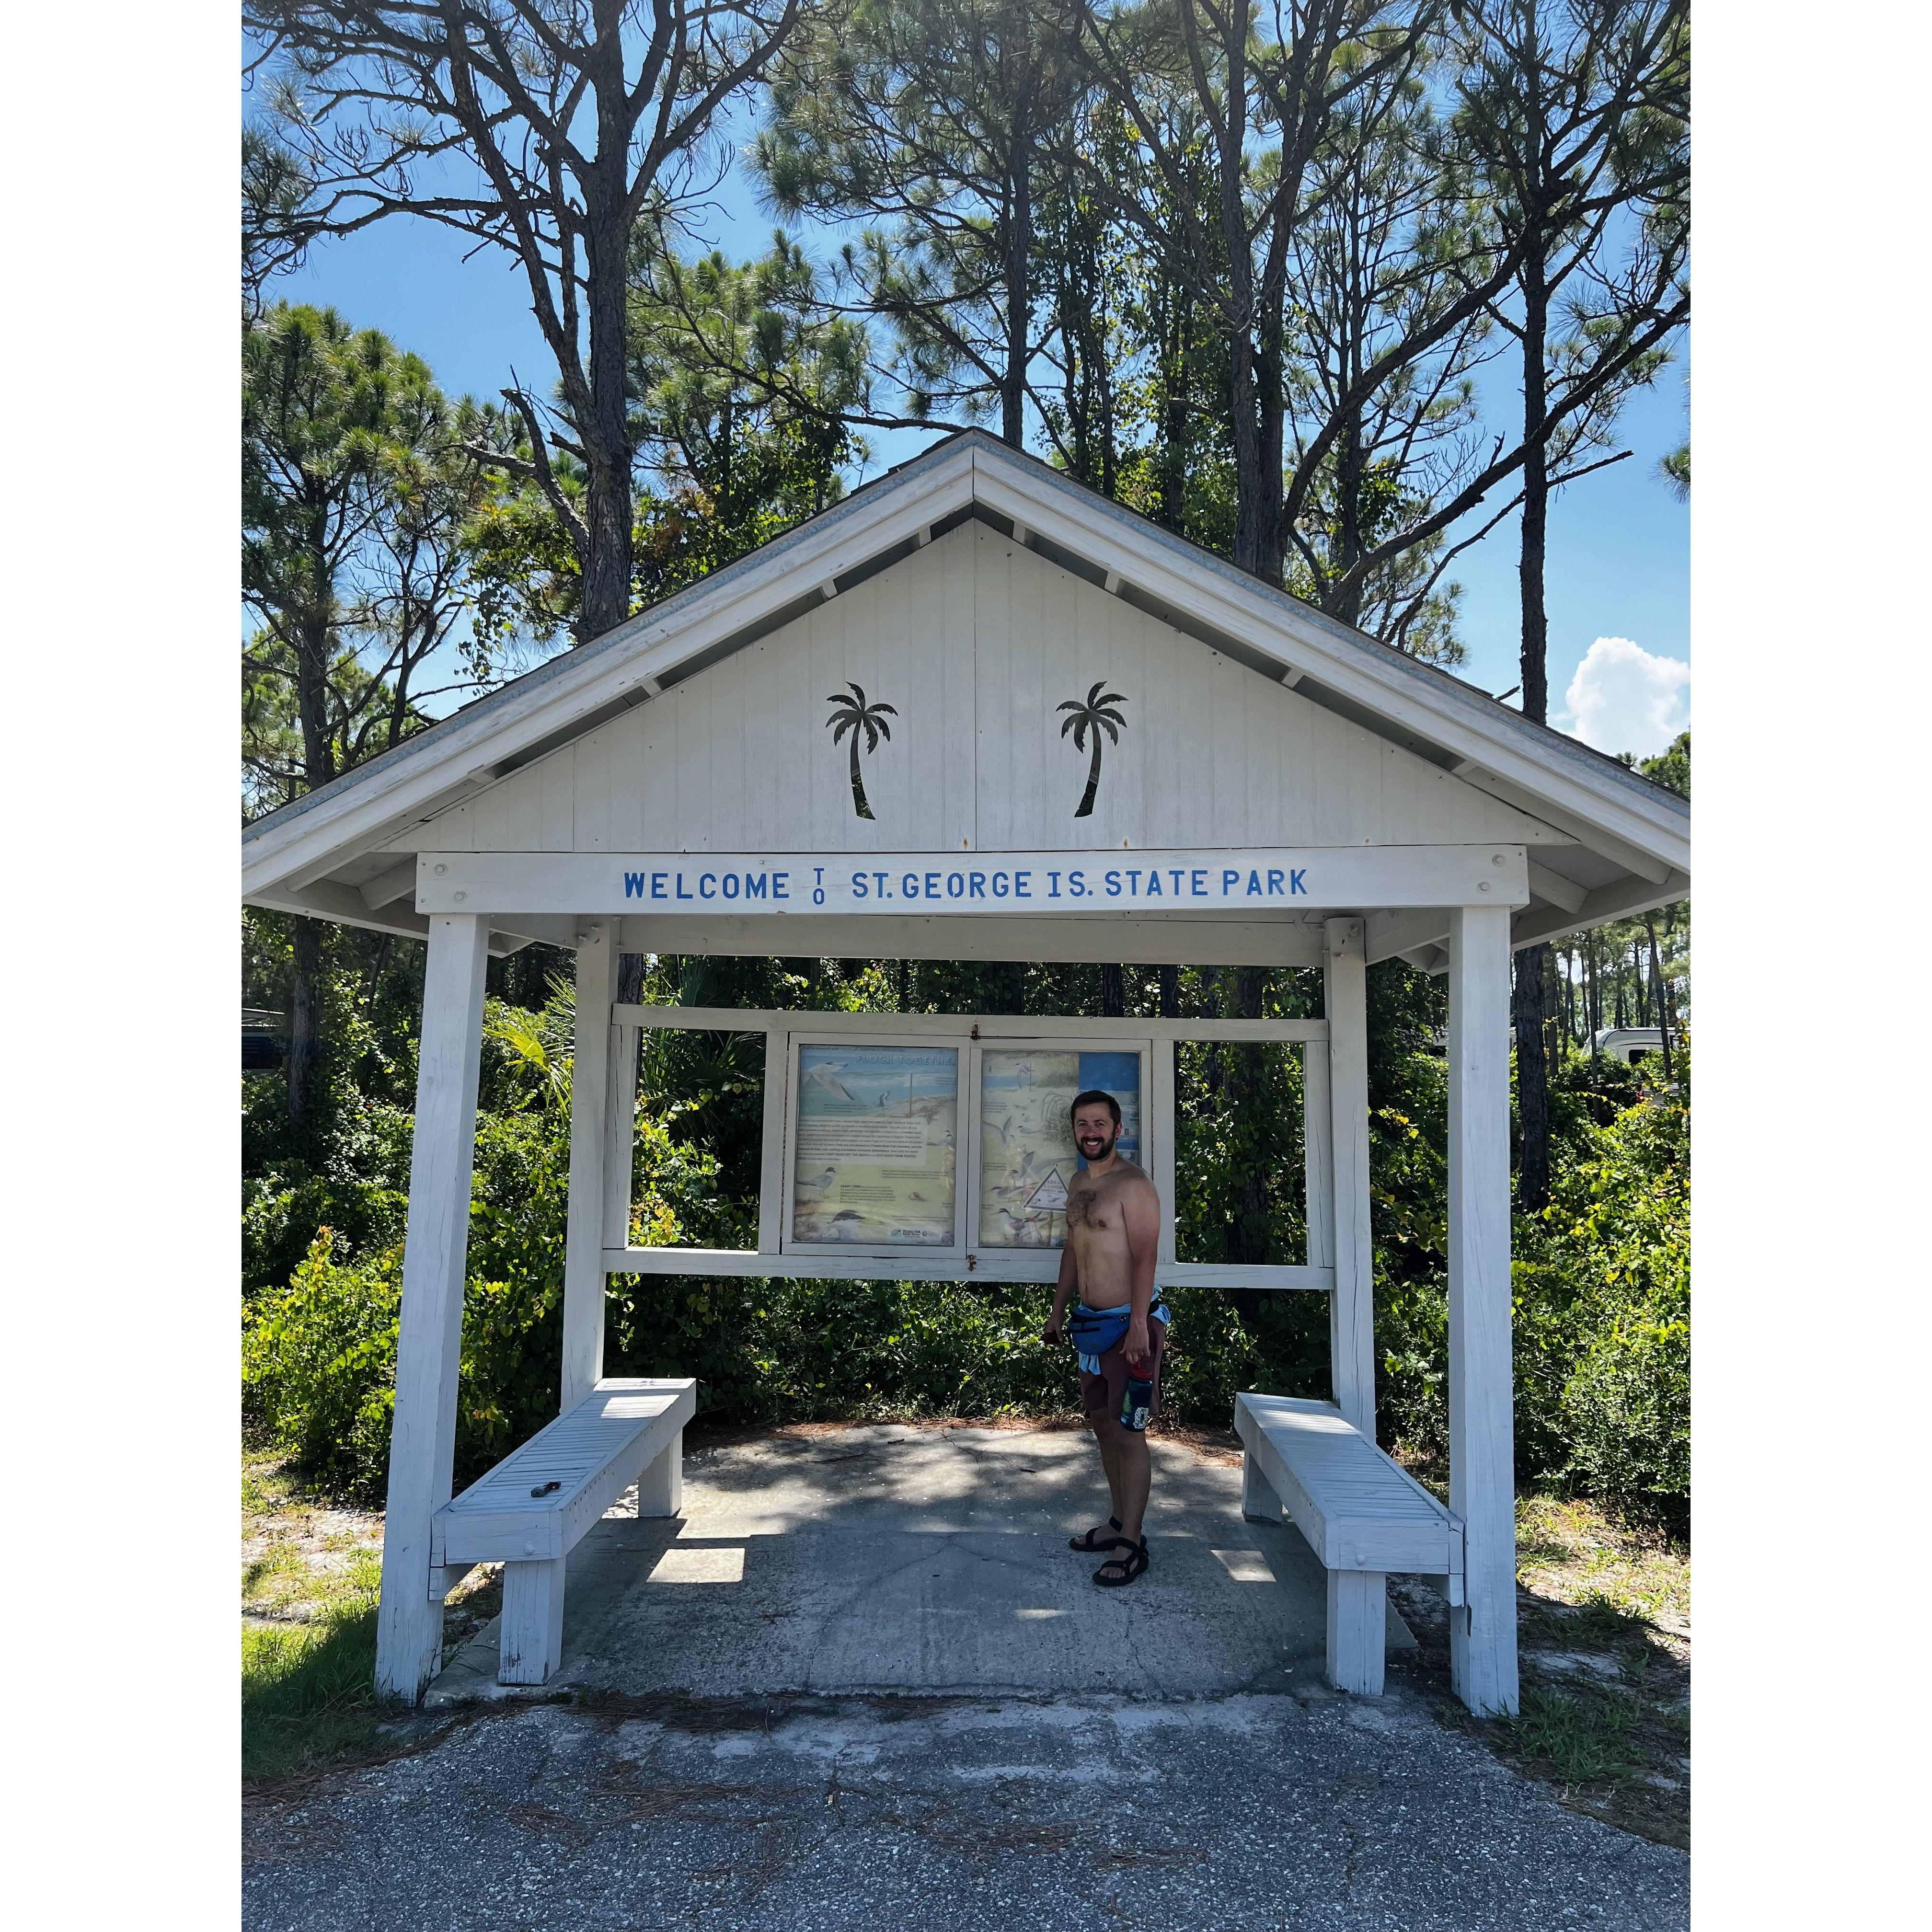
311 1576
308 1693
1604 1604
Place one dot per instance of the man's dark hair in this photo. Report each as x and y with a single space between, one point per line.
1096 1096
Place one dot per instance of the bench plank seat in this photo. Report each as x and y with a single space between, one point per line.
628 1429
1359 1510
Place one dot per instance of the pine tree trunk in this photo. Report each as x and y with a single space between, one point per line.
1250 1230
1532 1078
304 1026
605 601
1169 979
1019 306
1113 993
1663 998
1533 965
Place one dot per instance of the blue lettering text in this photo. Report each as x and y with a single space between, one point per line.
1294 882
633 885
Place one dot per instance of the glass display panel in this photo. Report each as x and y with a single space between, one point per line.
874 1145
1026 1155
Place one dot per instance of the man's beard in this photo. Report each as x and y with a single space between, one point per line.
1093 1147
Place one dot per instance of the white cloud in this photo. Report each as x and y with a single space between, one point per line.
1623 698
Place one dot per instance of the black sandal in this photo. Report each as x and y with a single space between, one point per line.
1095 1540
1133 1564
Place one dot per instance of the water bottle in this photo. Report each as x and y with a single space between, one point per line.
1136 1402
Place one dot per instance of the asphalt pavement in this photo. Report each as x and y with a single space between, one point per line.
1057 1813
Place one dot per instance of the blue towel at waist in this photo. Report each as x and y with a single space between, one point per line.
1094 1330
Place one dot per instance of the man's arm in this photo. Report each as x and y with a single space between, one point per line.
1063 1293
1140 1220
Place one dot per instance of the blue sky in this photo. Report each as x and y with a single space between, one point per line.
1618 578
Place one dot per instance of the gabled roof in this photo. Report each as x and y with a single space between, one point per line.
335 852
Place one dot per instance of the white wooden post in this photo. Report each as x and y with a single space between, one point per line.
1351 1309
1482 1475
620 1123
429 1347
584 1279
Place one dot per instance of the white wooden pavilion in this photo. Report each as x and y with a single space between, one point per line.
1276 790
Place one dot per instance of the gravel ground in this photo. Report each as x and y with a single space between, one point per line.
785 1814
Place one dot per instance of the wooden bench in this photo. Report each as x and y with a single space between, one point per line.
1361 1513
531 1510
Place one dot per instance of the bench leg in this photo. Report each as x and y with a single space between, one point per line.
1259 1503
1357 1630
532 1634
661 1487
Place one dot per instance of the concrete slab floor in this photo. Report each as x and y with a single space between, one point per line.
921 1560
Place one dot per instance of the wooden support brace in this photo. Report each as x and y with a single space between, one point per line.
531 1645
1357 1631
1259 1503
661 1487
583 1277
1351 1310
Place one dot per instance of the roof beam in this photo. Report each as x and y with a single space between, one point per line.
1632 858
1553 887
1620 899
1139 941
386 888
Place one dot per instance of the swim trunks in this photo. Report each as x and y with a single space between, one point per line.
1104 1373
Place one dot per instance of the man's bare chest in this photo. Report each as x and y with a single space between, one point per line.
1093 1210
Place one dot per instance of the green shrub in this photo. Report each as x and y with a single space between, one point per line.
1603 1316
319 1365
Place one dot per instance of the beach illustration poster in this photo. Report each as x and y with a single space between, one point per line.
875 1154
1027 1156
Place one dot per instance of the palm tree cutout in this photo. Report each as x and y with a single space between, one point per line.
854 715
1096 716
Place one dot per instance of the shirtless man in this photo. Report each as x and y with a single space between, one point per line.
1113 1231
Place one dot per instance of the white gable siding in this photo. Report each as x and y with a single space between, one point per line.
975 641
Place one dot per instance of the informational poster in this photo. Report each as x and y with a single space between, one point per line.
1027 1156
874 1145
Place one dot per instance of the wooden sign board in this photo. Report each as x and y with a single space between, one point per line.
597 885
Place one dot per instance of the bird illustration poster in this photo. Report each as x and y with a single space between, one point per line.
1026 1136
875 1154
